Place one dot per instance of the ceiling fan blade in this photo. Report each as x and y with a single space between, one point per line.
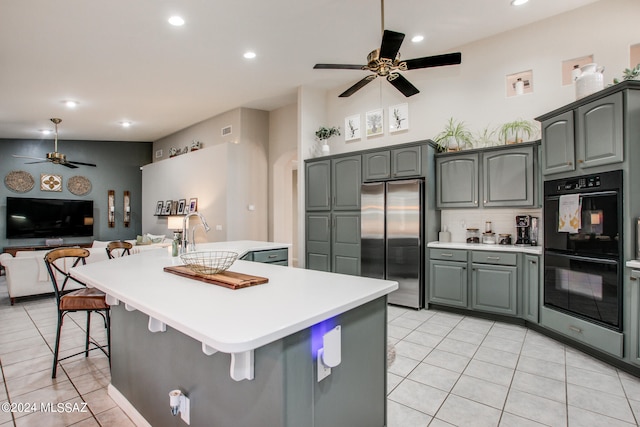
69 165
356 87
81 163
40 161
27 157
391 42
434 61
337 67
402 84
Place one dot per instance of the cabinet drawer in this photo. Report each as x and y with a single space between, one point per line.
448 254
273 255
498 258
583 331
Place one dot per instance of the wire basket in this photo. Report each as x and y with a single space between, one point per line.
209 262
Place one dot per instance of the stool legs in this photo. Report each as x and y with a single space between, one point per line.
57 346
86 347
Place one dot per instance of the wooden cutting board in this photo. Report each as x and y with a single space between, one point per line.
228 279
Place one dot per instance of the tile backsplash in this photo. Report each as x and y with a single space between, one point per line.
457 221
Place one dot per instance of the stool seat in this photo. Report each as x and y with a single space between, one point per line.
84 299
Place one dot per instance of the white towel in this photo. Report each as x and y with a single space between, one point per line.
570 213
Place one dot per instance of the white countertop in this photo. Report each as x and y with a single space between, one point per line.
534 250
231 321
634 263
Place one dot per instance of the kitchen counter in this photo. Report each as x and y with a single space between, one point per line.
224 348
634 263
534 250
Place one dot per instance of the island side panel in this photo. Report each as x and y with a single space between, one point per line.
146 366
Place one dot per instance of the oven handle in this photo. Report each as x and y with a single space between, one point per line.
595 193
583 258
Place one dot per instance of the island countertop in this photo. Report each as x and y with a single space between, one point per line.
231 321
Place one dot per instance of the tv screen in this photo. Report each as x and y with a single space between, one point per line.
29 218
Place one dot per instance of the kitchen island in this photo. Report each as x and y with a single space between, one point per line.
245 357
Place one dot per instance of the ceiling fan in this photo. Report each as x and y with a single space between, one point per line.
385 62
55 157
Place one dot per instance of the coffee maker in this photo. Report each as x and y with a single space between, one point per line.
527 230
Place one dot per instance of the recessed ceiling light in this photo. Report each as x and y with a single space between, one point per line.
45 131
417 39
71 104
125 124
518 2
176 21
249 55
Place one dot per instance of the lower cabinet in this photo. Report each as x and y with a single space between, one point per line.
531 288
269 256
633 291
494 288
333 242
448 283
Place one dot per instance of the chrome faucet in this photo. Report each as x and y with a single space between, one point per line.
191 246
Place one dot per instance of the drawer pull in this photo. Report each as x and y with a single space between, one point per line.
534 262
446 254
575 329
633 278
273 256
497 258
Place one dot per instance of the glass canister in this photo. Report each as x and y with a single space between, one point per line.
489 238
504 239
473 235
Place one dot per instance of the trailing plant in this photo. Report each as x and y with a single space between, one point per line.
324 133
455 136
520 130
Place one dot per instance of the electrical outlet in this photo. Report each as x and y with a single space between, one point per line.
158 154
323 370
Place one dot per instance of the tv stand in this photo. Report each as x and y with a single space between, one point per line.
13 249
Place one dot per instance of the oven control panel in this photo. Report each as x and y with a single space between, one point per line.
580 183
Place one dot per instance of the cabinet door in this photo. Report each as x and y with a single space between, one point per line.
345 247
508 177
457 181
406 162
599 132
448 283
634 327
318 186
346 181
530 288
376 166
318 250
494 288
558 146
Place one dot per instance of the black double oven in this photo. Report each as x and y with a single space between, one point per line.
583 266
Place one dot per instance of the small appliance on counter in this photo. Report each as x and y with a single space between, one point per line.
504 239
473 235
527 230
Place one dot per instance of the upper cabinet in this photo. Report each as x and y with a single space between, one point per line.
318 191
389 164
586 135
507 177
333 184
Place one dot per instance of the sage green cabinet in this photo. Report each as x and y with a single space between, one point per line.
457 181
634 325
346 183
558 154
388 164
448 283
269 256
508 178
531 288
589 135
318 186
318 238
494 288
345 243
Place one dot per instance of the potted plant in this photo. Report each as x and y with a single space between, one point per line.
629 74
454 137
517 131
323 134
487 137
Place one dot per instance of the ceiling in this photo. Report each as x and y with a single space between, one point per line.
121 60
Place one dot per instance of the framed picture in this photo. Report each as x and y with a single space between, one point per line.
181 205
375 123
352 127
174 207
159 207
50 182
167 208
398 117
193 205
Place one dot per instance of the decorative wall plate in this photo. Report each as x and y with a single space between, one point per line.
19 181
79 185
50 182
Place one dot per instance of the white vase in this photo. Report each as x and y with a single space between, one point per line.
325 148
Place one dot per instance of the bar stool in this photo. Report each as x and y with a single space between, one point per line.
125 246
86 299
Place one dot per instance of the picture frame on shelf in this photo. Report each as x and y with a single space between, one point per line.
193 205
181 205
398 117
174 207
159 207
352 127
374 122
167 208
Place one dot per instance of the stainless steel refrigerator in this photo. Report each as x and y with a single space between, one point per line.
392 236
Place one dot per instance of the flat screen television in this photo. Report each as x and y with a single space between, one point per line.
29 218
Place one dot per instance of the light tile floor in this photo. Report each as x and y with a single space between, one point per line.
448 370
